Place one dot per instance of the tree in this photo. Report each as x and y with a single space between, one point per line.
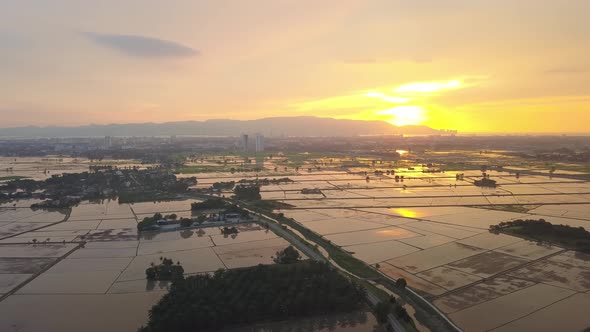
288 255
201 219
382 310
186 222
401 283
166 270
150 273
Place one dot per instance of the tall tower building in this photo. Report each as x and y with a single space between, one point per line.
244 142
259 143
108 142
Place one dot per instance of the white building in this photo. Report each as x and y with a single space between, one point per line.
259 143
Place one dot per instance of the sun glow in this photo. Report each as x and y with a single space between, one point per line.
391 99
412 103
428 87
405 115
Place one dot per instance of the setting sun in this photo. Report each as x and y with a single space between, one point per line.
405 115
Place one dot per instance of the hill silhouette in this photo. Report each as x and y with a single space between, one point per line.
276 126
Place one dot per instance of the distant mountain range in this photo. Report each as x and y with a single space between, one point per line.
277 126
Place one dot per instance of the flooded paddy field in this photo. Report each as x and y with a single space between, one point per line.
430 229
64 265
351 322
41 168
433 231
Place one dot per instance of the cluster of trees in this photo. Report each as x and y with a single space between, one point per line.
245 168
130 185
266 181
247 192
229 230
62 203
209 204
145 196
224 185
149 223
187 222
288 255
166 270
218 204
250 295
232 208
485 181
576 238
384 308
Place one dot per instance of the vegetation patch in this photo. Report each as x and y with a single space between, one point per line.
575 238
12 177
209 204
145 196
266 181
149 223
509 208
229 185
272 205
247 192
256 294
166 270
288 255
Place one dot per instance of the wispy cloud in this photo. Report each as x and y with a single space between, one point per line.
141 46
567 70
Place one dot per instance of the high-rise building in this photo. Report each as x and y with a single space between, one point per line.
259 143
244 143
108 142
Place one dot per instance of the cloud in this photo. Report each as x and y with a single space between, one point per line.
141 46
567 70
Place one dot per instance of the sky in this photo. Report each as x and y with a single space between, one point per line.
492 66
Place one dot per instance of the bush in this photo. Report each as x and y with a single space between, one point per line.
401 283
166 270
382 311
186 222
247 193
149 222
288 255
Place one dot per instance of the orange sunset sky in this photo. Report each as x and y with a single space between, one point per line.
474 66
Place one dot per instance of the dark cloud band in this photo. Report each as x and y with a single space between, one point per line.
141 46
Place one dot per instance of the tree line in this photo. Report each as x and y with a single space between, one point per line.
576 238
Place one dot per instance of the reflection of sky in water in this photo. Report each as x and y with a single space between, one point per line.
407 213
394 232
